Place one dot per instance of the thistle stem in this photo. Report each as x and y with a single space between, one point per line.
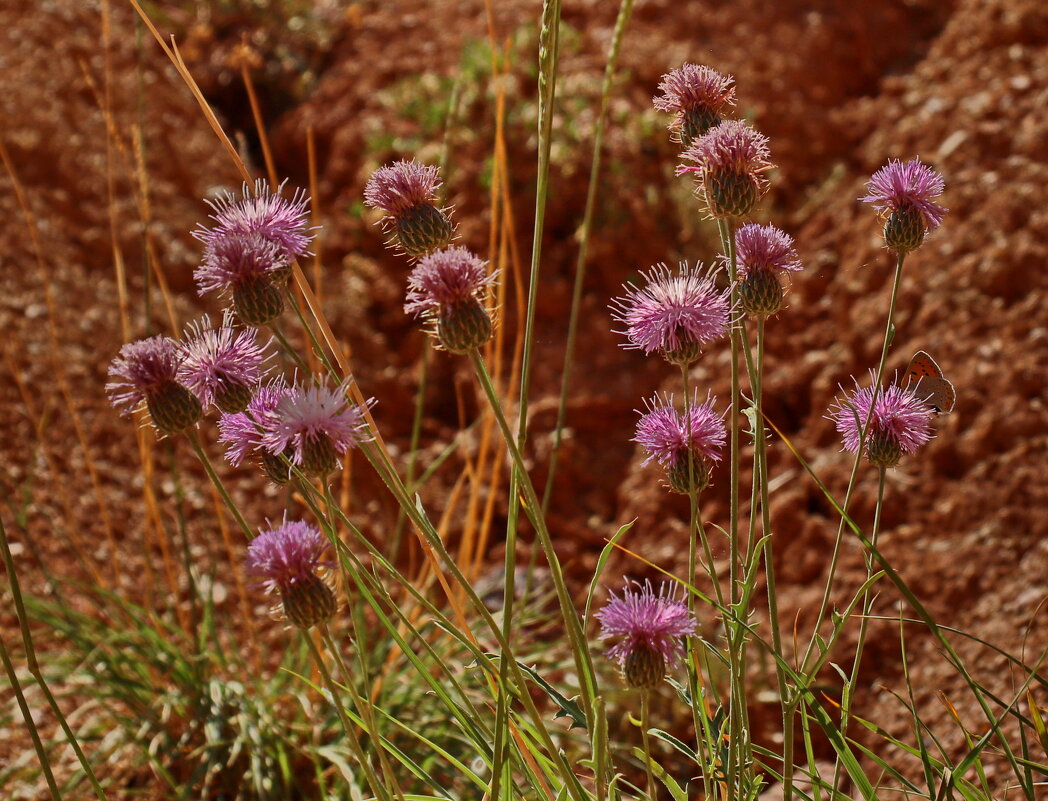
198 449
645 696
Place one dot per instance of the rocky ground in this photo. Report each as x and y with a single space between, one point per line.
112 157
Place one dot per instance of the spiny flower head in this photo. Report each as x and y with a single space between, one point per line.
670 435
401 186
235 260
315 425
765 247
647 628
903 193
448 288
146 371
900 422
695 94
277 219
675 314
731 159
763 252
407 192
288 558
221 365
243 431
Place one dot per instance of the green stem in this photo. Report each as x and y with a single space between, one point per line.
735 719
351 734
416 437
580 647
889 335
34 669
644 725
198 449
625 10
278 335
864 621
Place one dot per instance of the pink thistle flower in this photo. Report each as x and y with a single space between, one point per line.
731 161
765 247
648 629
243 431
277 219
221 365
669 436
316 425
675 314
763 253
407 192
902 193
250 268
448 288
899 422
695 94
288 559
146 372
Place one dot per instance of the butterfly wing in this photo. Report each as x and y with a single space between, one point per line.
922 366
937 392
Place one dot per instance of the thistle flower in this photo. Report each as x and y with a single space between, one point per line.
763 253
670 436
288 558
648 628
407 191
695 94
146 371
732 159
447 288
902 193
243 431
221 365
316 425
900 422
277 219
251 269
675 314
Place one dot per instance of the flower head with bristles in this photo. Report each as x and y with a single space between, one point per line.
899 422
277 219
647 629
731 159
448 288
903 193
669 436
675 314
146 372
288 559
221 365
243 431
407 192
695 94
315 425
763 253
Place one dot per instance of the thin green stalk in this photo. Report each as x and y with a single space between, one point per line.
579 645
27 716
392 481
769 561
198 449
625 10
864 621
363 705
889 335
34 669
737 673
278 335
644 725
351 735
416 437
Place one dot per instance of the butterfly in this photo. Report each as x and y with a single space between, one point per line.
926 381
